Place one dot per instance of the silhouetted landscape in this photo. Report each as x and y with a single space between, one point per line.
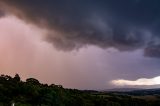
33 93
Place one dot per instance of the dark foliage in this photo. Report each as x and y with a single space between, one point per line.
32 93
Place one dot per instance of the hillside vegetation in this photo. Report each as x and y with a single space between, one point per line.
33 93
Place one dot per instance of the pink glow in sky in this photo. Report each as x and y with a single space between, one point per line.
81 44
23 50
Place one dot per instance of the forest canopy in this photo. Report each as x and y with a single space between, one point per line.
33 93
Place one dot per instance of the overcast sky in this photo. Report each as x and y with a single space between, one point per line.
87 44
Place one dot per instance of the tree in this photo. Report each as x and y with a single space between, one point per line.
32 81
17 78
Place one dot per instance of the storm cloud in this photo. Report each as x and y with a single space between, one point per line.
2 13
122 24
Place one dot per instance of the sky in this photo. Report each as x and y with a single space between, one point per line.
87 44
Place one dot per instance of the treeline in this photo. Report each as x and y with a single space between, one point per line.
32 93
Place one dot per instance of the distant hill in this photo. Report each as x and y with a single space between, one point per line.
145 92
122 89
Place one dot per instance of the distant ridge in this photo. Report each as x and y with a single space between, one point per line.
123 89
134 91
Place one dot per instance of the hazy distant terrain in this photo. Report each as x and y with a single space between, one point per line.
32 93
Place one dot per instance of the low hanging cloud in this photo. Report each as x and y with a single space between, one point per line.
138 82
125 25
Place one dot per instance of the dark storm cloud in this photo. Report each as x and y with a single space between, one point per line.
153 51
2 13
122 24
